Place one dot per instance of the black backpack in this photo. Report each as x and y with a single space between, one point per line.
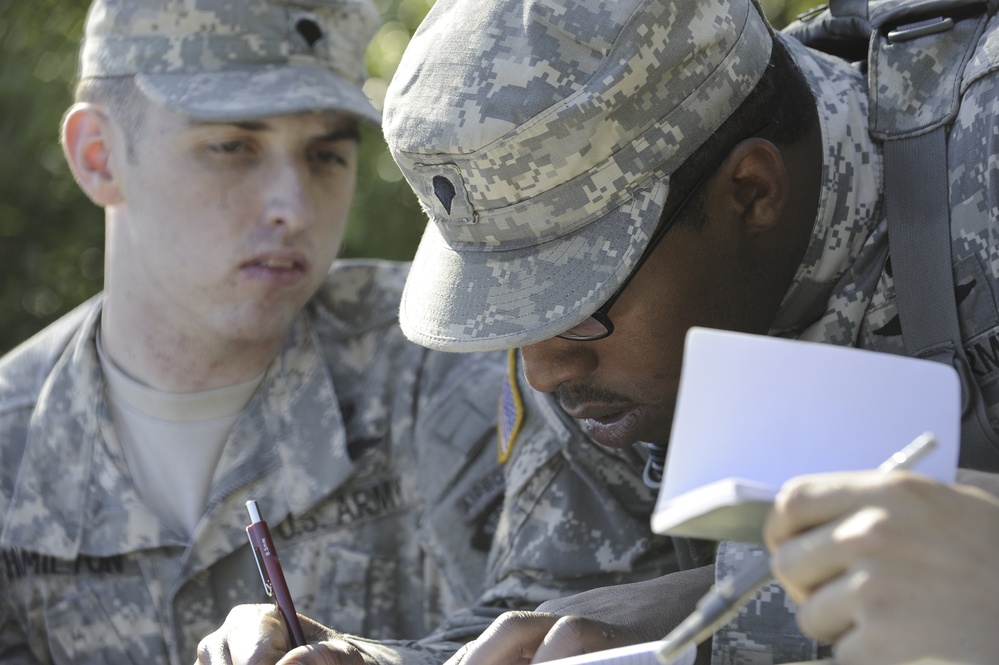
912 123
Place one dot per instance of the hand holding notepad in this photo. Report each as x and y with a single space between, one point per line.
754 411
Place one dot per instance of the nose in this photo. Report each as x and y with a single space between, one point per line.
289 200
555 361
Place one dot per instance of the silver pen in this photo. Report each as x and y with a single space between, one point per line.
725 599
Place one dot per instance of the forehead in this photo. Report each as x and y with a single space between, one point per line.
333 123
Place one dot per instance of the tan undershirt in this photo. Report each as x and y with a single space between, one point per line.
172 442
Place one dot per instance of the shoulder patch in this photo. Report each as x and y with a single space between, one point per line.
511 410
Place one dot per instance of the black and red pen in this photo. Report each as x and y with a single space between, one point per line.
270 572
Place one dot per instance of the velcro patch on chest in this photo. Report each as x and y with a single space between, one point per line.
481 495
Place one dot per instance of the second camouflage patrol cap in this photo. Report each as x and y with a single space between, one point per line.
236 59
539 136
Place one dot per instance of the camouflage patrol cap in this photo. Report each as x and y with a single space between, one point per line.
235 59
539 136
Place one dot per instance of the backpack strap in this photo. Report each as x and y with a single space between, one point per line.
913 101
838 28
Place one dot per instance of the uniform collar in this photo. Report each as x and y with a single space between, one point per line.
547 431
848 210
74 495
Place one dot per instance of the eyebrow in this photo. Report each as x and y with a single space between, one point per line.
342 134
336 134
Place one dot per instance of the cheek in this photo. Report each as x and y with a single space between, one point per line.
653 324
329 232
178 218
228 199
701 281
333 200
647 356
672 293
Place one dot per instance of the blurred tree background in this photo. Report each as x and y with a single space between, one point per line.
51 235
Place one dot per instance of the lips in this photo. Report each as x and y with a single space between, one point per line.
278 264
276 268
614 426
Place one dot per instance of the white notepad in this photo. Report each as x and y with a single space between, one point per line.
636 654
754 411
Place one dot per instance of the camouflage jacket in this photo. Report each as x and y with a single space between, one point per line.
575 516
374 461
843 292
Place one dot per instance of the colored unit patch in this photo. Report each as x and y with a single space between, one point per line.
511 410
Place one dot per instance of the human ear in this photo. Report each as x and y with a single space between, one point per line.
87 143
758 181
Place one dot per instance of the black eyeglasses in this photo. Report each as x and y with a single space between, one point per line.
598 325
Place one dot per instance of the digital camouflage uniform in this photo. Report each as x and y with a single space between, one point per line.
843 292
575 517
374 460
541 139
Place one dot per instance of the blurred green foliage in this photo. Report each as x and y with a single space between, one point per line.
51 236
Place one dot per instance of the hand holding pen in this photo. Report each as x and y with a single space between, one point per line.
271 573
899 569
725 599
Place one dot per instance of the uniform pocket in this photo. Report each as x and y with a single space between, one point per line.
86 629
359 593
364 576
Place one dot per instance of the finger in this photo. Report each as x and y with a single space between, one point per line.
808 501
829 612
512 639
250 635
849 650
314 631
808 560
269 644
333 652
458 656
574 635
213 652
983 480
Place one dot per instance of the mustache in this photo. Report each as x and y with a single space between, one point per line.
572 397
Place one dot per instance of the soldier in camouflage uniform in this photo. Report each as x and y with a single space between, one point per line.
554 144
563 516
225 362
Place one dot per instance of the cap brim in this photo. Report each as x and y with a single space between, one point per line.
473 299
244 94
